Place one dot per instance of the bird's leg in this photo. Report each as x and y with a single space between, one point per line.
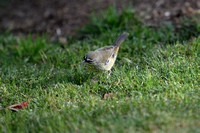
94 76
109 72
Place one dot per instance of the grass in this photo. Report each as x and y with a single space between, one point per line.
155 81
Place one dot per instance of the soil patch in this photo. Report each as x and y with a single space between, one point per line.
62 17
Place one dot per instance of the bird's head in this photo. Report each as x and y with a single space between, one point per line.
89 57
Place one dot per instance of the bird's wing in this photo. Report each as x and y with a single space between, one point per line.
104 53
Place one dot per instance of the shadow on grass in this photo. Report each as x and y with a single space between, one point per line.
34 76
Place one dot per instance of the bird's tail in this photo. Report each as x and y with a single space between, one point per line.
120 39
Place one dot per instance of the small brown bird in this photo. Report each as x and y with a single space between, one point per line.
104 58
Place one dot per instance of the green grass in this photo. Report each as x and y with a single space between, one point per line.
155 81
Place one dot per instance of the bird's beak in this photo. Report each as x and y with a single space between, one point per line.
83 61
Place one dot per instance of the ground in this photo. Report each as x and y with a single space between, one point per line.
60 18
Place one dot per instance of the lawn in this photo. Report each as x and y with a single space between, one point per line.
155 82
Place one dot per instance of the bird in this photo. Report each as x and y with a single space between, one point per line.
103 59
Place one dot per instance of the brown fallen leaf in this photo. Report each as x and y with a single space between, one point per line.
107 95
17 105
